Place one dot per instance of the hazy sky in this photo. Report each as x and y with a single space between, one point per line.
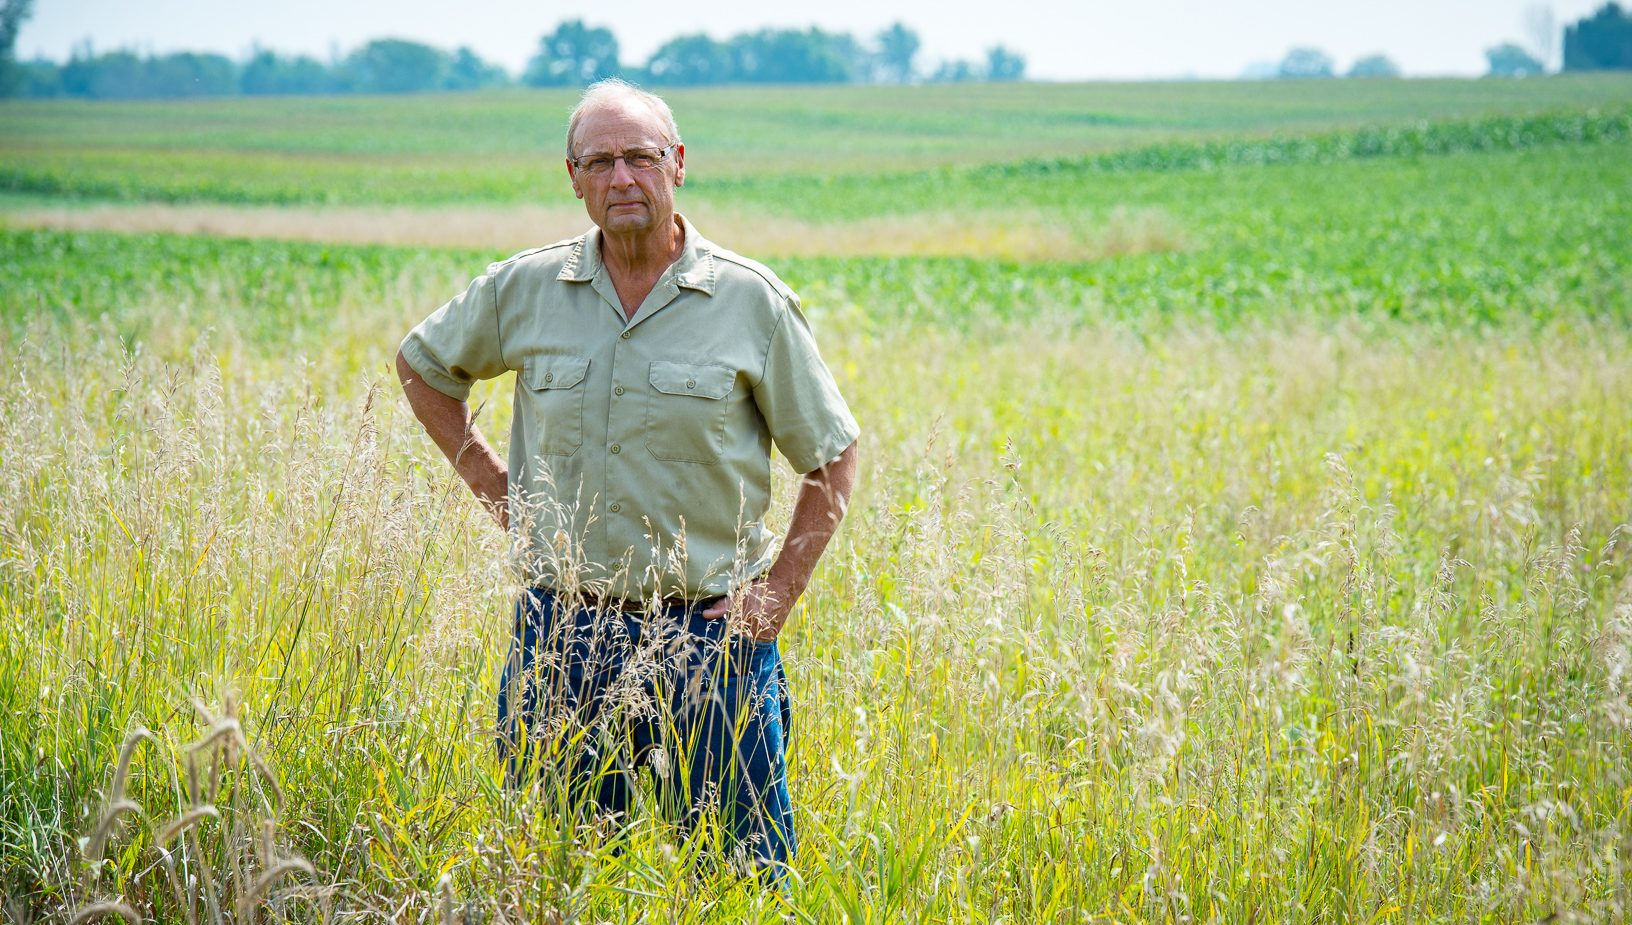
1061 40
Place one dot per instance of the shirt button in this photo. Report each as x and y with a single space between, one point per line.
624 335
549 377
691 383
615 507
618 390
615 448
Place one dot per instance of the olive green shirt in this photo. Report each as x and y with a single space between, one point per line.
640 451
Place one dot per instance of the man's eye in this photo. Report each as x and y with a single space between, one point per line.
641 160
598 163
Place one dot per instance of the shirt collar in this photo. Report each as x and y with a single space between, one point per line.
694 269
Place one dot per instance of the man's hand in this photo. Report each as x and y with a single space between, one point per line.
757 607
763 606
452 428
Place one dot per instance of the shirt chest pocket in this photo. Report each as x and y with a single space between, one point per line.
685 417
554 396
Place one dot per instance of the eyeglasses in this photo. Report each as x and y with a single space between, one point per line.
636 158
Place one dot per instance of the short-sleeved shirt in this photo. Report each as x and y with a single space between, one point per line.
640 450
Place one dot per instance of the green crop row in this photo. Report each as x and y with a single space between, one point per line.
259 178
1458 239
1037 182
1484 133
796 128
136 172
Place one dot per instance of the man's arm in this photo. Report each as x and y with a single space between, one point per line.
824 496
449 422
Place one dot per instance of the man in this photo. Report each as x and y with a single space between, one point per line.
655 371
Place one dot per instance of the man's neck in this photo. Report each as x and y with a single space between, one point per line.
643 254
635 262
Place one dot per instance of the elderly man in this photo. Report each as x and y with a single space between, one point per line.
655 371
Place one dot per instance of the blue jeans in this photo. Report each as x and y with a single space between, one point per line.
594 694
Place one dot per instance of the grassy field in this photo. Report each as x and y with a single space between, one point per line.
1276 574
501 146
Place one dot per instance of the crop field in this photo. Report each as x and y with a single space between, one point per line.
501 146
1241 537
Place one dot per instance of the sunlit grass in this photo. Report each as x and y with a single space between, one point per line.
1241 626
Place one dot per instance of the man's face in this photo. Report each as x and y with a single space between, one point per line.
626 199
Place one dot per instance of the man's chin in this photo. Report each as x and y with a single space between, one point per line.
627 220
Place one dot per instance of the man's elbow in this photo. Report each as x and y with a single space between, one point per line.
838 476
405 371
846 461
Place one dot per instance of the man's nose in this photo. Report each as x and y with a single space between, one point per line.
622 175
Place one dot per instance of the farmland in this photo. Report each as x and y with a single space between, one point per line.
500 147
1255 554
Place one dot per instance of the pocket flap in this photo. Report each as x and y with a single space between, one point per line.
685 379
554 372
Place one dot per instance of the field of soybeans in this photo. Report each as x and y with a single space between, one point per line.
1244 532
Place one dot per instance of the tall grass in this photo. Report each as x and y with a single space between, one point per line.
1271 623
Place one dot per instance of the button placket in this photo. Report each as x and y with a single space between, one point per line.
617 426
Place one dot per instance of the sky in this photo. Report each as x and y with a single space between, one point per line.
1061 39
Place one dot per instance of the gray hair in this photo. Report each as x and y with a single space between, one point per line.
603 94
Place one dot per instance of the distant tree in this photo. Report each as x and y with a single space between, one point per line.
189 74
1003 64
38 78
396 66
1509 60
573 54
691 60
267 72
1302 63
1602 41
12 15
110 75
467 71
897 46
858 59
791 56
955 72
1374 66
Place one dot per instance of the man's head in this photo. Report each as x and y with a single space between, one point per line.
625 157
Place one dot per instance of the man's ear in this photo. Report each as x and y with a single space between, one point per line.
573 175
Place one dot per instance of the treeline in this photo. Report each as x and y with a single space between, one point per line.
573 54
382 66
1601 41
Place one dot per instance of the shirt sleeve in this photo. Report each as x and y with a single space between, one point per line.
807 416
459 343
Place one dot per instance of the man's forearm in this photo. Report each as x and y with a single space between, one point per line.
449 423
824 496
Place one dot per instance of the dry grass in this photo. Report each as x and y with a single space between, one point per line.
1274 625
1016 235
